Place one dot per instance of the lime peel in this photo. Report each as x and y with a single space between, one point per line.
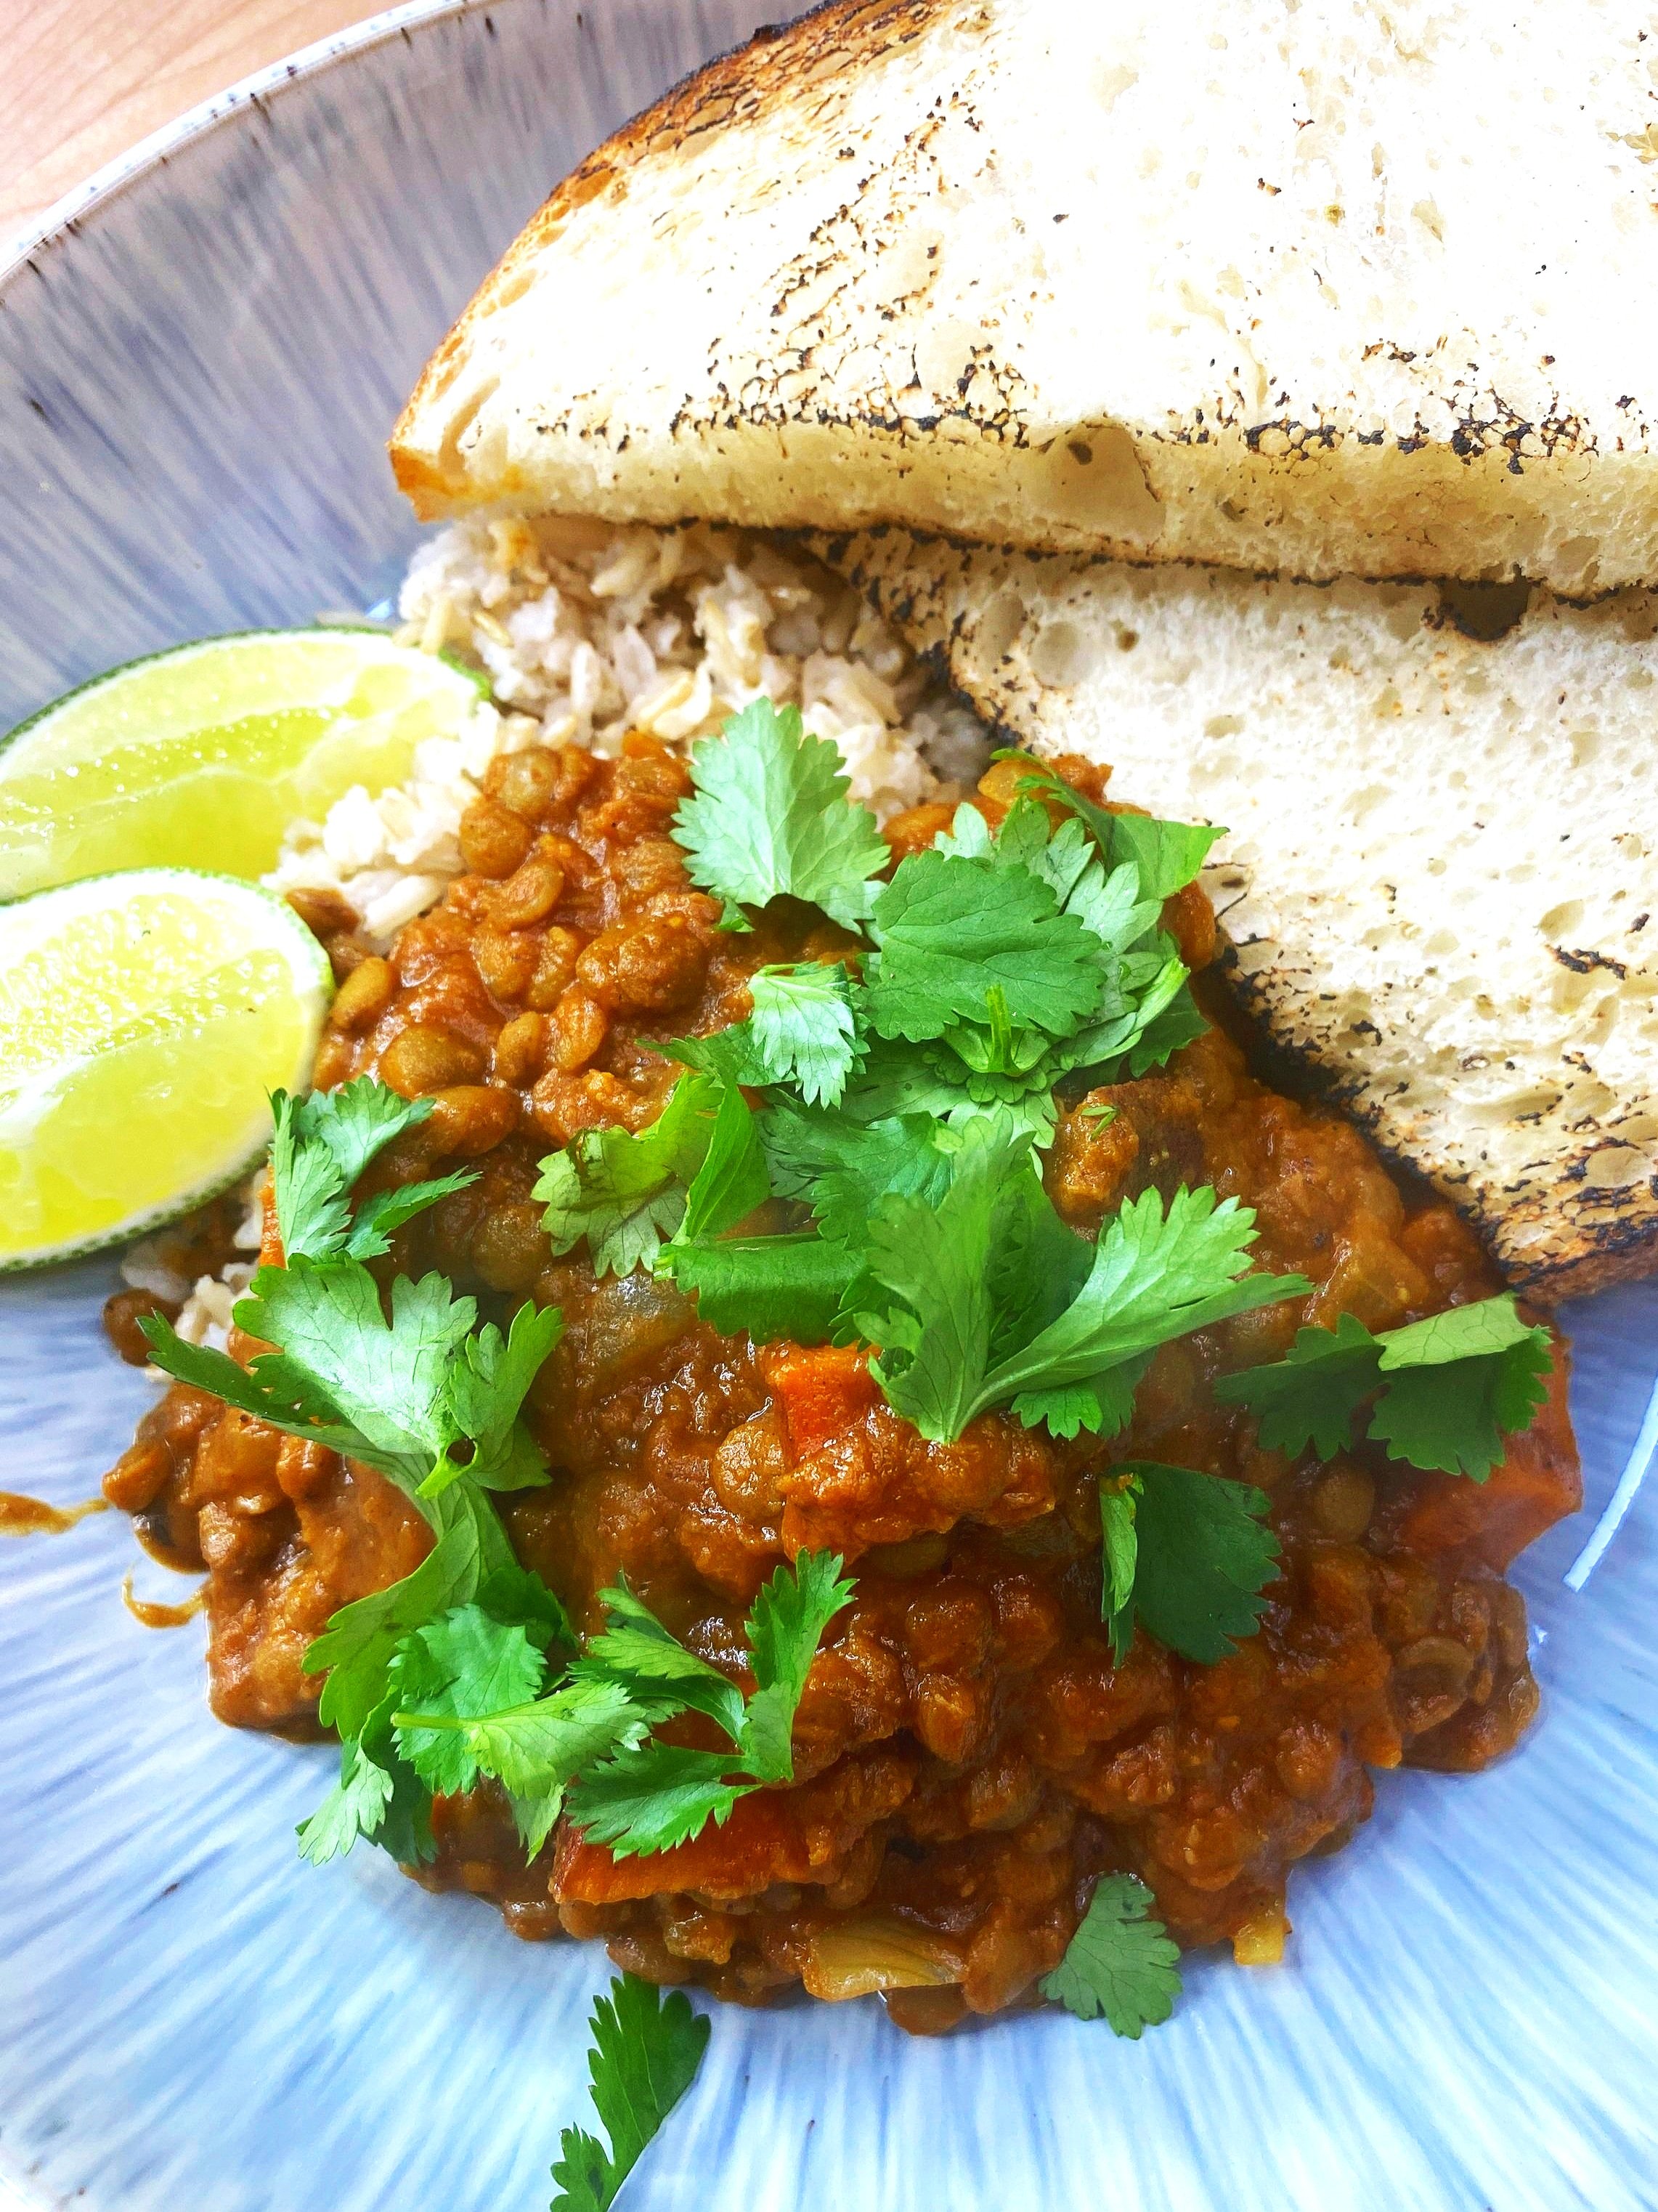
144 1017
215 748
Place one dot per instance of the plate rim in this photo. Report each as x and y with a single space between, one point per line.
65 217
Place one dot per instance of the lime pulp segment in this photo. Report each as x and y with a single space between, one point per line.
208 751
143 1019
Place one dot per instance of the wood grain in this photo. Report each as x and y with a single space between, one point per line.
83 80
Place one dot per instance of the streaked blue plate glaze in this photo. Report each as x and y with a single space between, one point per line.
196 378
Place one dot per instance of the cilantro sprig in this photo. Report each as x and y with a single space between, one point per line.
646 2051
695 1171
946 1255
651 1796
418 1392
1119 1966
408 1382
1445 1390
993 967
985 1298
771 817
902 1088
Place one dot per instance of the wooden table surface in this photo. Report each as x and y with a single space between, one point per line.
83 80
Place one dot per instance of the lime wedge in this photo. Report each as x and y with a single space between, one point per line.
143 1016
210 751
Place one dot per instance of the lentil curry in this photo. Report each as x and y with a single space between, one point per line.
968 1756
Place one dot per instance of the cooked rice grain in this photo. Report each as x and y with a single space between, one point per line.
588 630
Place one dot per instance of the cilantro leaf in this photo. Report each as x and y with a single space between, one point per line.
626 1193
802 1031
1122 1544
1486 1327
769 1288
356 1647
731 1055
803 1028
341 1360
1447 1388
1170 1026
1203 1553
935 1261
458 1667
951 929
533 1750
1154 1277
784 1628
379 1797
1311 1394
518 1598
484 1391
842 1168
321 1145
1167 855
1450 1412
387 1210
355 1806
647 2049
399 1395
771 815
972 1316
1120 1964
296 1414
733 1180
653 1795
635 1650
1110 903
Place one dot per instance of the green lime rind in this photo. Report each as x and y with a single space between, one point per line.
144 1017
215 747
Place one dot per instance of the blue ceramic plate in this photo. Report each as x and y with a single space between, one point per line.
196 374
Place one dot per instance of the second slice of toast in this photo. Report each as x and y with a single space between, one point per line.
1440 886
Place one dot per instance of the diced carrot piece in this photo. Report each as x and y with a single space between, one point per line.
1537 1484
759 1844
822 1391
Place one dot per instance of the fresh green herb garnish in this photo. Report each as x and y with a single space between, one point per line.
769 1288
842 1168
771 817
952 929
626 1193
1446 1389
454 1630
533 1747
647 2049
402 1395
996 965
322 1144
653 1795
903 1090
696 1169
421 1392
984 1298
1167 855
1120 1964
948 1257
803 1031
1187 1554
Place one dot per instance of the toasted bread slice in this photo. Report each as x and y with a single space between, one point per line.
1351 287
1440 886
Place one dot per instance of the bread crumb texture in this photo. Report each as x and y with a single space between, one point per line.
1439 885
1341 287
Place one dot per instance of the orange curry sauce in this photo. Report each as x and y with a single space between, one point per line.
969 1759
